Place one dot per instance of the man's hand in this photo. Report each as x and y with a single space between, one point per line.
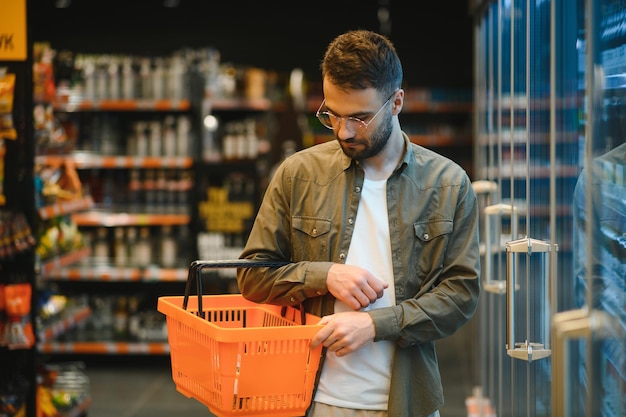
354 286
344 333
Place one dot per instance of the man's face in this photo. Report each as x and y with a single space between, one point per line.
346 106
371 142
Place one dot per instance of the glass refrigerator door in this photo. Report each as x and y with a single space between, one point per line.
590 339
550 127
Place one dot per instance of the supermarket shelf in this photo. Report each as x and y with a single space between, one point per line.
124 105
65 207
224 103
113 274
436 107
64 260
84 160
440 140
106 348
71 319
109 219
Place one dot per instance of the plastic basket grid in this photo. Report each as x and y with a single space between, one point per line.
243 358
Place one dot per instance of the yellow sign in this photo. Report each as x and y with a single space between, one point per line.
13 30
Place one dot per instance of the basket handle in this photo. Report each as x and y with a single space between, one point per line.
195 273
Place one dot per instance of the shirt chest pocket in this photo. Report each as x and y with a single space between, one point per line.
431 230
311 236
431 240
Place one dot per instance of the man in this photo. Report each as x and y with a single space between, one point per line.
599 263
382 236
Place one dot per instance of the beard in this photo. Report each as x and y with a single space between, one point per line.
372 147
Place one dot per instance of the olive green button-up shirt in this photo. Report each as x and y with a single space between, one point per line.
307 217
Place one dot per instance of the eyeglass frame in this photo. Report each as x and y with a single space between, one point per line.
364 125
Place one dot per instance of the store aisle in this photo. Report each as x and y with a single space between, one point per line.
138 387
457 369
143 386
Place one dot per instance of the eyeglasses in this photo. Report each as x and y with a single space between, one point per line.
353 124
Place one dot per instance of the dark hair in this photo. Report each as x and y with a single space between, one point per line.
361 59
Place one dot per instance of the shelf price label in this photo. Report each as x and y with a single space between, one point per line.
13 30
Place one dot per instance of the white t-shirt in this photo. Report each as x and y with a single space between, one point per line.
360 380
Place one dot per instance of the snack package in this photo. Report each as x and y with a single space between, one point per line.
18 331
7 129
7 90
2 154
43 73
2 312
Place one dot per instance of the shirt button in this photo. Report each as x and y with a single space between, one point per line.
314 232
426 236
342 256
319 293
293 300
357 189
350 220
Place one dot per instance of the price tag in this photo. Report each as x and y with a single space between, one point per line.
13 30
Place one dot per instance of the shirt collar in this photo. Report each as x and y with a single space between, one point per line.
347 162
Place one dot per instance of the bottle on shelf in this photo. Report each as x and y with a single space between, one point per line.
120 318
128 79
101 246
134 318
171 191
149 189
160 191
183 243
185 185
131 242
135 191
141 141
156 139
169 137
120 251
145 79
143 248
168 253
183 132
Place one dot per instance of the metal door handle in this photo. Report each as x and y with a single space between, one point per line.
527 350
493 218
566 326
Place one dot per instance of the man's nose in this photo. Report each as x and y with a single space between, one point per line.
342 131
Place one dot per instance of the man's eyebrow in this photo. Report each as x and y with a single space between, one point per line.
357 114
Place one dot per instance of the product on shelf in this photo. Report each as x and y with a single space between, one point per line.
15 234
7 88
64 388
18 329
13 388
59 236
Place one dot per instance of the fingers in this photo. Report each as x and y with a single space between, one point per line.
375 288
322 334
367 294
344 333
354 286
328 337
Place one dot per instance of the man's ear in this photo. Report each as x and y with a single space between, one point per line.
397 101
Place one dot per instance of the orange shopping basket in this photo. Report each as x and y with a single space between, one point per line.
237 357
